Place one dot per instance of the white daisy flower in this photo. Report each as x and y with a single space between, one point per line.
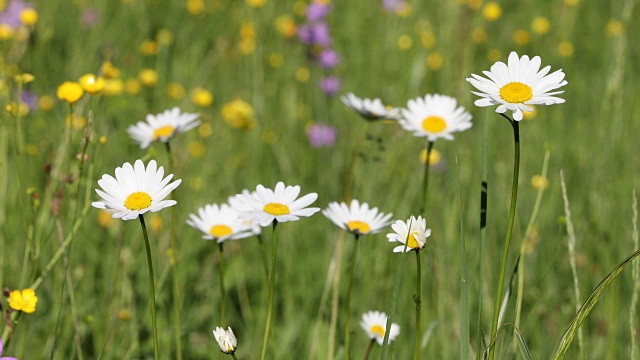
234 202
516 85
414 229
135 190
162 127
435 116
369 109
220 222
281 205
374 324
355 218
226 340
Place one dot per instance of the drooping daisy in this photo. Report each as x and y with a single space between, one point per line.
415 230
374 324
135 190
369 109
162 127
226 340
266 205
356 218
220 222
435 116
516 85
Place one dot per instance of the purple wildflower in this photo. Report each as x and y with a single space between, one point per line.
321 135
393 5
5 357
329 58
11 15
320 33
30 99
317 11
330 85
90 17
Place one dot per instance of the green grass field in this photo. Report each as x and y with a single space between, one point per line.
249 51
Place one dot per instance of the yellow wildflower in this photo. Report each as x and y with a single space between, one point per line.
434 157
46 103
70 92
428 39
148 77
256 3
165 37
132 86
404 42
92 84
201 97
521 37
538 182
195 7
24 300
29 16
286 26
6 32
540 25
113 87
434 60
109 71
614 28
149 47
492 11
565 49
175 91
238 115
24 78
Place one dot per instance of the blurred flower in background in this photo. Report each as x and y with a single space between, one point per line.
321 135
11 14
330 85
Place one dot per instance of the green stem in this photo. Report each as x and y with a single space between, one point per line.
272 285
417 298
507 241
425 180
152 289
174 267
263 255
369 347
234 356
347 332
221 275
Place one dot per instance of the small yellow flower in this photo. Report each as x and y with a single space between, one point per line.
14 109
565 49
205 130
155 223
571 2
286 26
109 71
78 122
276 60
148 77
105 219
435 60
303 74
195 7
494 55
124 314
196 149
6 32
492 11
404 42
70 92
149 47
102 140
529 115
46 103
201 97
614 28
428 39
521 37
92 84
247 30
175 91
24 300
256 3
238 115
164 37
29 16
540 25
24 78
479 35
247 46
132 86
434 157
404 10
113 87
538 182
474 4
300 7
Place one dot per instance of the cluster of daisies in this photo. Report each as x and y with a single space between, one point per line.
138 189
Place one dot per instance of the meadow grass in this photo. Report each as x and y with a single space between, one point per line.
591 136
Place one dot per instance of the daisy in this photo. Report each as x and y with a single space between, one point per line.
516 85
135 190
226 340
162 127
369 109
355 218
267 205
435 116
220 222
374 324
234 202
413 229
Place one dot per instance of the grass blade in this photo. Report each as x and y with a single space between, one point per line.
464 300
636 285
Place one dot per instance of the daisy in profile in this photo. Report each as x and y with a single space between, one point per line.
220 222
435 116
368 108
413 233
357 218
374 323
267 205
135 190
162 127
517 85
226 340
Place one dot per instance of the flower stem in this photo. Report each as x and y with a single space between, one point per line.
272 285
369 347
425 180
263 255
417 298
221 274
152 289
507 241
347 331
234 356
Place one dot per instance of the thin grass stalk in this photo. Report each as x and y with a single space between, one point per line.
174 267
507 241
572 255
4 175
347 304
464 292
523 244
263 256
369 347
152 291
425 179
635 273
417 299
221 281
484 188
272 285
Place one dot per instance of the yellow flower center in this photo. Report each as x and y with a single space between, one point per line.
360 227
138 201
220 230
163 132
516 92
434 124
276 209
378 330
412 242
